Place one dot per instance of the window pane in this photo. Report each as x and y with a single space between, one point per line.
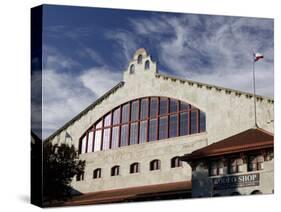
163 106
107 120
124 135
97 143
135 110
146 65
90 141
173 105
153 107
184 106
84 144
143 131
184 123
173 125
144 108
193 122
202 122
152 129
163 127
115 137
134 133
106 139
125 113
99 124
116 116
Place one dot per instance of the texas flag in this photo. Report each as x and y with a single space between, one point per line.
257 56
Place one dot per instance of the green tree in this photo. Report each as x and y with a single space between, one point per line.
60 164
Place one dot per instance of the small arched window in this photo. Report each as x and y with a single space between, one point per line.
154 165
132 69
80 177
97 173
235 166
255 163
176 162
134 168
140 59
146 65
115 171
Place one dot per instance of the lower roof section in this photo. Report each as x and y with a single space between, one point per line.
248 140
142 193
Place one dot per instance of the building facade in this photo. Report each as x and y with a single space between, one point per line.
133 135
242 164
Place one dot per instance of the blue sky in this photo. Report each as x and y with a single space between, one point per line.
85 51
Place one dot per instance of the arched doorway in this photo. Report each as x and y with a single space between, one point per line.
256 192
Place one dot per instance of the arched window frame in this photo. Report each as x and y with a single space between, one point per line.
132 69
134 168
80 177
147 65
139 60
141 120
115 171
176 162
97 173
155 165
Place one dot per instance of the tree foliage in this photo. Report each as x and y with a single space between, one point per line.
60 164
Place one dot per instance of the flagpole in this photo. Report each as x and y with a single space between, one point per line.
254 83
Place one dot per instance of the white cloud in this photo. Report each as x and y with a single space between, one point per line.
127 43
63 97
65 94
99 79
214 49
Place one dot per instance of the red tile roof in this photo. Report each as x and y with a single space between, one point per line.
127 194
251 139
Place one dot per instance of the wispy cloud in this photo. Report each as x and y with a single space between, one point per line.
65 94
215 49
99 79
126 41
212 49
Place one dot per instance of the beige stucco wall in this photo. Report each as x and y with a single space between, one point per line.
227 113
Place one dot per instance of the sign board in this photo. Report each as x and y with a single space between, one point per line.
236 181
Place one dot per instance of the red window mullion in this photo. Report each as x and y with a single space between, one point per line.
147 122
102 134
138 126
197 119
87 138
168 125
157 118
120 126
129 123
94 134
111 128
189 118
178 125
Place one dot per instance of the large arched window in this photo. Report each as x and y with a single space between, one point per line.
147 119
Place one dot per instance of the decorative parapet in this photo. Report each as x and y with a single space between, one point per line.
217 88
